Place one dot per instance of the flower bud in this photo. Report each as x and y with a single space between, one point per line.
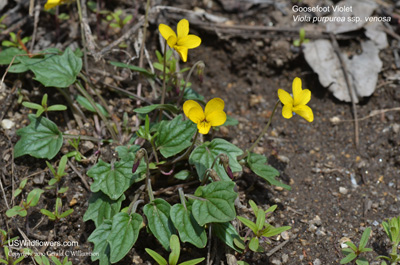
138 157
224 161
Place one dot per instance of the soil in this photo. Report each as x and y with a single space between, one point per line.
338 188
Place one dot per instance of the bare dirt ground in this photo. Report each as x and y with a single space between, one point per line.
338 188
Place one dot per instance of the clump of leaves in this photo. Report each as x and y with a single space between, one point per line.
31 200
302 38
173 256
261 229
43 108
392 230
353 252
57 214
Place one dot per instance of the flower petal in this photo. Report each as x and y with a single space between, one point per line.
214 105
183 52
305 112
303 98
166 31
190 104
171 41
204 127
285 97
51 3
182 28
296 87
216 118
287 111
190 41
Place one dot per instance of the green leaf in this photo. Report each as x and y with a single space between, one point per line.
248 223
203 157
348 258
159 222
227 233
157 257
175 250
351 245
123 235
241 262
362 261
66 213
101 245
169 107
174 136
127 152
257 164
133 68
101 207
33 197
192 262
254 244
16 210
260 220
182 175
114 180
364 238
7 55
31 105
272 231
189 230
57 70
215 203
86 104
230 121
48 214
57 107
40 139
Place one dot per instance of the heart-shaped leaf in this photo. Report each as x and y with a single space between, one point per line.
204 155
160 224
101 208
40 139
215 203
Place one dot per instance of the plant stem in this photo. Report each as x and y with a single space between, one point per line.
182 197
133 206
164 74
261 134
150 190
90 99
187 80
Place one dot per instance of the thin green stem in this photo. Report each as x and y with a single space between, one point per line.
245 154
164 74
182 197
150 190
90 99
154 150
204 179
187 80
78 3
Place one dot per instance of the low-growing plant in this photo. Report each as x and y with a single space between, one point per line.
392 230
31 200
15 41
43 260
261 229
58 213
20 187
173 256
43 108
302 38
353 252
171 147
9 260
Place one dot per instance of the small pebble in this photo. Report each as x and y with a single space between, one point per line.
7 124
317 262
343 190
276 262
396 128
285 235
285 258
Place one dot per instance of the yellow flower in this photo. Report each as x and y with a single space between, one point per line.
297 103
181 42
213 115
53 3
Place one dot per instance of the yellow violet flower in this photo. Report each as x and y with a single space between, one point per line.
213 115
297 103
182 41
53 3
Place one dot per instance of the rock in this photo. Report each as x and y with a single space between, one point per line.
343 190
317 262
285 235
7 124
319 232
396 128
285 258
276 262
316 221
